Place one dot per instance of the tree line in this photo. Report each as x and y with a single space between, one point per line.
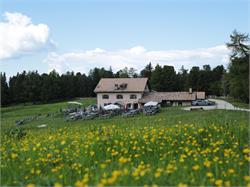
43 88
33 87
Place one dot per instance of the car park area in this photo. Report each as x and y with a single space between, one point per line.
217 104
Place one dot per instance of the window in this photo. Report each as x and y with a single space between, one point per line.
135 105
179 103
119 97
105 96
133 96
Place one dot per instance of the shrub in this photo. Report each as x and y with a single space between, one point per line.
17 132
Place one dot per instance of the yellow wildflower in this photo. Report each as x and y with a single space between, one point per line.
227 183
104 181
103 166
57 185
32 171
49 155
79 184
38 144
92 153
182 185
215 159
111 180
218 182
247 157
231 171
13 155
137 155
38 171
30 185
157 174
100 185
116 173
196 167
209 174
246 150
123 160
207 163
247 178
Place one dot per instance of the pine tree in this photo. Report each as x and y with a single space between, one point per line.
5 99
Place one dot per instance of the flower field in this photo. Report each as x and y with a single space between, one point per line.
149 151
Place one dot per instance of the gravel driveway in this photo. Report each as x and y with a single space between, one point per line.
220 104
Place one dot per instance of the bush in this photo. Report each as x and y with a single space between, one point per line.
17 132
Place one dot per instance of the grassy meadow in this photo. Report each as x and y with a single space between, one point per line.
172 148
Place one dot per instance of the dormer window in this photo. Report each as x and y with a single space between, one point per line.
116 87
105 96
133 96
122 86
119 96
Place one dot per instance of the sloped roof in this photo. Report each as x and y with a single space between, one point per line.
132 85
168 96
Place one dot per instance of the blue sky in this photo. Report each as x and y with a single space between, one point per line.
86 34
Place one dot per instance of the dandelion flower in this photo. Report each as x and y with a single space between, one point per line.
57 185
209 174
196 167
207 163
247 178
30 185
63 142
92 153
231 171
218 182
182 185
14 155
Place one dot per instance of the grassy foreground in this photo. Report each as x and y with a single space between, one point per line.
174 147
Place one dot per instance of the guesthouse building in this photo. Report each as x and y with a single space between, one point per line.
134 93
124 91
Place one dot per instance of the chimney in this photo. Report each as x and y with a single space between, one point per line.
190 91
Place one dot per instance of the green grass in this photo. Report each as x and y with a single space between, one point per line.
10 114
174 147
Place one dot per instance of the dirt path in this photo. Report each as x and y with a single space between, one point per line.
220 104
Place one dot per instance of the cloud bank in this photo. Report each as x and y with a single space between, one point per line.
19 36
136 57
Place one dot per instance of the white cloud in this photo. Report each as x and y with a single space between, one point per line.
136 57
137 50
18 36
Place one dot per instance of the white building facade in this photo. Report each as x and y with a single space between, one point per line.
124 91
133 93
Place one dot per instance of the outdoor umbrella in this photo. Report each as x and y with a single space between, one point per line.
151 103
111 107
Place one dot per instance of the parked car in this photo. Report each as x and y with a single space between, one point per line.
204 102
150 110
